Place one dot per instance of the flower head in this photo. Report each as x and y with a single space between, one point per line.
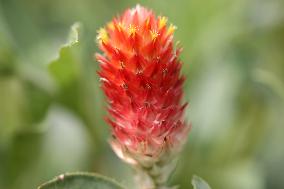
140 74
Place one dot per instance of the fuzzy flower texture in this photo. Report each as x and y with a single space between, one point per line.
140 74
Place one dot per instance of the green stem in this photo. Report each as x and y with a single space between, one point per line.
154 176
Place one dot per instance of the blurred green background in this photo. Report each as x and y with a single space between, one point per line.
51 120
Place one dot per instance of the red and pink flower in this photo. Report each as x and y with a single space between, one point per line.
140 74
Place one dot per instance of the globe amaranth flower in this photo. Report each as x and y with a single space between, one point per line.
140 74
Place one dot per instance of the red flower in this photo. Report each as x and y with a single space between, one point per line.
140 74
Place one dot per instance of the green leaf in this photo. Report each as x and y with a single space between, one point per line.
66 68
81 181
67 71
199 183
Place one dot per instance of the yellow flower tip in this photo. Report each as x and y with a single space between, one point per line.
171 29
102 35
110 25
132 29
147 22
162 22
154 34
120 26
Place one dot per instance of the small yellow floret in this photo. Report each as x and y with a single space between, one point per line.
102 35
154 34
132 29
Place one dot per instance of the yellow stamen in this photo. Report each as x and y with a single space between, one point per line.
154 34
132 29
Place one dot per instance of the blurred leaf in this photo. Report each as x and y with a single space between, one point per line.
7 52
65 68
199 183
38 102
11 111
269 80
23 106
22 155
66 71
81 180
